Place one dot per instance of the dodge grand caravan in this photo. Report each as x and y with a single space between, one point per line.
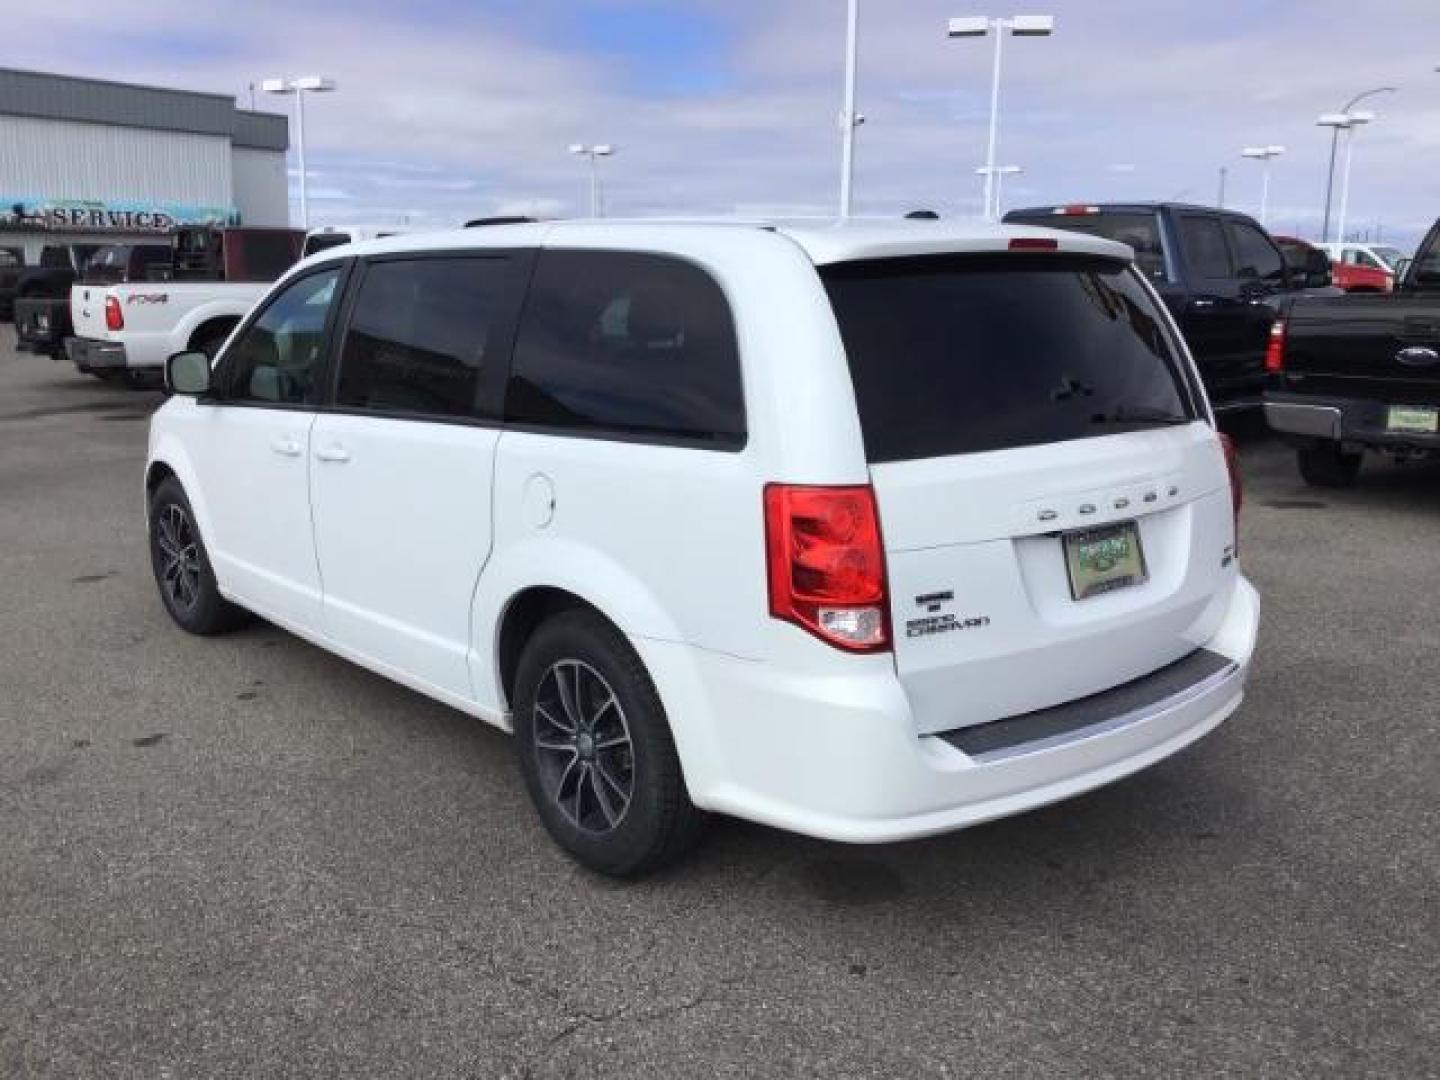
867 531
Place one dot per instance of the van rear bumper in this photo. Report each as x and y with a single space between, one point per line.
838 758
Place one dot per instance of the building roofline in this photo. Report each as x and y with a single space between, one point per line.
80 99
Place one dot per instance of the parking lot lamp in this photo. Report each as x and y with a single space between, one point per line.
1335 122
594 153
1263 154
311 84
1357 119
979 26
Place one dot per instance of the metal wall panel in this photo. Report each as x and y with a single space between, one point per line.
65 160
262 188
261 131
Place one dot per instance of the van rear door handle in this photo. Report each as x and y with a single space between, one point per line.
333 452
286 447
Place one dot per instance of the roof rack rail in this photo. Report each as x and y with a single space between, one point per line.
511 219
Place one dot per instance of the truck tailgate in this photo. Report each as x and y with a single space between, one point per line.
1361 345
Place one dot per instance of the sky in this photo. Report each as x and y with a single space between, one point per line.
453 109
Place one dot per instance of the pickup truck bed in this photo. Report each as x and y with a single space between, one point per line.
1360 372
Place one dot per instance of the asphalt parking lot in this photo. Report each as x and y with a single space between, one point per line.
244 857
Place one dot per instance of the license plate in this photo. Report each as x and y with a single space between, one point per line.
1413 420
1104 559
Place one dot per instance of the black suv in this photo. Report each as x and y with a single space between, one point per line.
1218 271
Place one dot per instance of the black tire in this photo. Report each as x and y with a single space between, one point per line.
182 566
578 786
1326 465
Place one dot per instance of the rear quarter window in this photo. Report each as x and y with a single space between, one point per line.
1139 230
973 353
627 344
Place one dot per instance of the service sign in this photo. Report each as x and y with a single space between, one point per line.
121 216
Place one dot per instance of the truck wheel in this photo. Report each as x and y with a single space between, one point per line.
596 752
182 566
1326 465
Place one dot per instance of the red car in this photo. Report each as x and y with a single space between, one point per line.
1347 276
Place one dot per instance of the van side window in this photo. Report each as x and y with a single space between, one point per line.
1205 251
421 337
1254 255
627 343
279 357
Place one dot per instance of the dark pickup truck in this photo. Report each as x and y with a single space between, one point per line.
12 264
1359 372
41 321
1218 271
42 304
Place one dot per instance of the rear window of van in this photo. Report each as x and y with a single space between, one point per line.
970 353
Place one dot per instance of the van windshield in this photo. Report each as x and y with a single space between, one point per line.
960 354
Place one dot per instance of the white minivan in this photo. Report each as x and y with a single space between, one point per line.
865 530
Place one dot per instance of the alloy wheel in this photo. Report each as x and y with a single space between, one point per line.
179 547
582 747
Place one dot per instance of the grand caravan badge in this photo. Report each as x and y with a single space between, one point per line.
937 621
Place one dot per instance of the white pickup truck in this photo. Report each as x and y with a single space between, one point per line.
131 329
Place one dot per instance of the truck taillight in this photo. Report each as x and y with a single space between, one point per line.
826 564
1275 348
114 317
1237 482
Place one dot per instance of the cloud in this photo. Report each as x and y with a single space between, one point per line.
449 110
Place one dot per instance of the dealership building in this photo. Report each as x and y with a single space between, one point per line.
83 160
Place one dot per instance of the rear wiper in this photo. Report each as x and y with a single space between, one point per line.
1158 417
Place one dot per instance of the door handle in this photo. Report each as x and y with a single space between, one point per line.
286 447
333 452
1202 304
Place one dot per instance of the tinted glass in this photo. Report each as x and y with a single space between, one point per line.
261 256
420 337
1390 255
1255 256
1205 252
1140 231
54 258
959 354
627 343
107 266
151 262
11 257
278 358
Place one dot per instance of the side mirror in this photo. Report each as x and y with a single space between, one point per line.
188 373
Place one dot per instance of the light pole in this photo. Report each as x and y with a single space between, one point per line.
849 120
1336 121
979 26
594 153
1263 154
1000 172
1357 118
313 84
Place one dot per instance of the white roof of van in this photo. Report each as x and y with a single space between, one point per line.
823 240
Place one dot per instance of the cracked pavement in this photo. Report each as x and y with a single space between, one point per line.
245 857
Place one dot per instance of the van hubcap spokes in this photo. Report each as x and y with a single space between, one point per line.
582 746
179 556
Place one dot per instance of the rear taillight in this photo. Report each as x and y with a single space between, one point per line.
1237 483
1034 243
1275 348
114 317
1075 210
827 565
